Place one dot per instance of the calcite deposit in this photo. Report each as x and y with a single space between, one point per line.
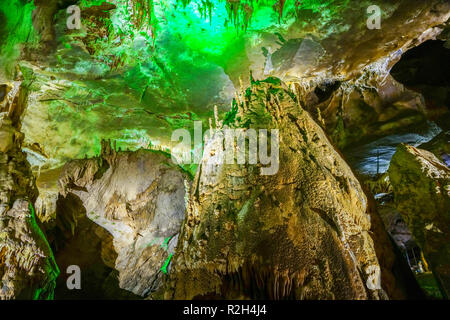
27 266
94 94
302 233
138 199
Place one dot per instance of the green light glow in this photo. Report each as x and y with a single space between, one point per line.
53 270
15 28
140 82
166 264
165 243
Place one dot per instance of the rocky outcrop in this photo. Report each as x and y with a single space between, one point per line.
308 231
424 69
397 277
302 233
372 106
13 99
79 241
421 185
404 242
345 75
27 266
440 147
137 199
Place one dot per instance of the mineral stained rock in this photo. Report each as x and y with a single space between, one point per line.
341 65
27 266
421 185
302 233
138 200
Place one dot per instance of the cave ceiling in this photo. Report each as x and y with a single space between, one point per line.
137 70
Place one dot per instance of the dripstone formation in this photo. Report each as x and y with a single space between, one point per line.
27 266
301 233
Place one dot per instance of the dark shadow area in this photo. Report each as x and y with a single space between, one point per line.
427 64
425 69
325 91
79 241
3 90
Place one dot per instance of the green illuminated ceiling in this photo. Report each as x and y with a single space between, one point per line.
138 69
15 28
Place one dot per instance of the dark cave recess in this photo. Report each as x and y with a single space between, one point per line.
426 69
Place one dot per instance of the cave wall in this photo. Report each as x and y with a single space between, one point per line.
303 233
27 265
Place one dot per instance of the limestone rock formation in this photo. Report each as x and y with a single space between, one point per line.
397 277
371 106
79 241
341 66
301 233
396 226
27 266
46 202
138 200
421 185
135 71
409 253
440 147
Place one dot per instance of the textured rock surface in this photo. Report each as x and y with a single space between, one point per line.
80 241
305 233
421 185
138 199
372 106
425 69
396 226
46 202
302 233
27 266
440 147
396 276
325 46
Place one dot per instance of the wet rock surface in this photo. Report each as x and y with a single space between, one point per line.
440 147
373 158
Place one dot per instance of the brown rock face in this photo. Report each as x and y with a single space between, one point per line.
27 266
301 233
345 75
396 276
13 99
421 185
396 226
43 17
80 241
363 109
131 205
